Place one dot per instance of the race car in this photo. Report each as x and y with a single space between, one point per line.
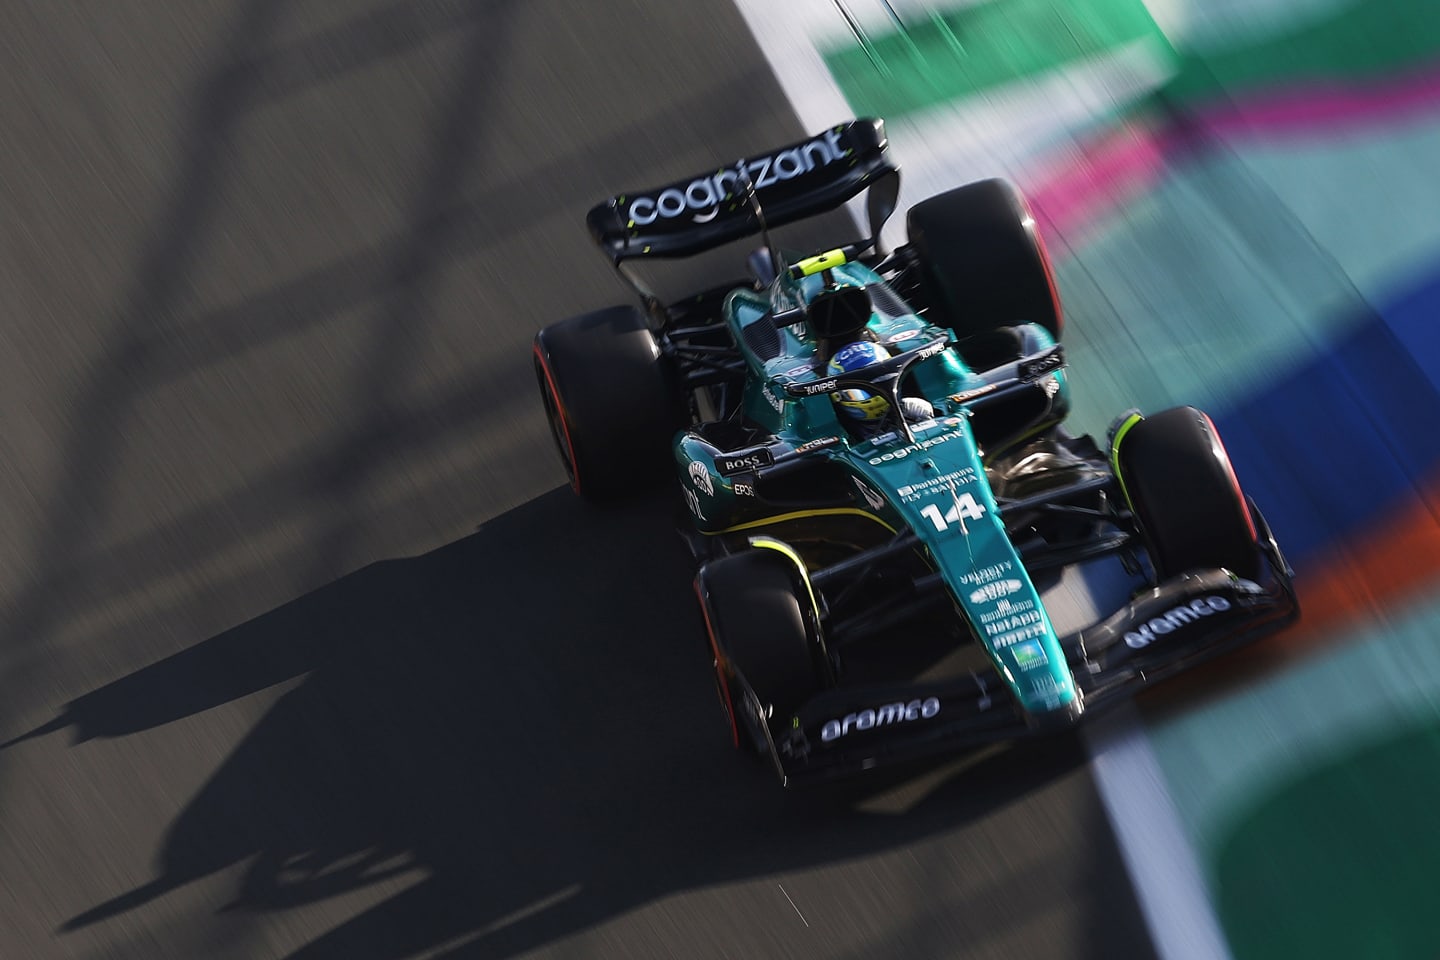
900 548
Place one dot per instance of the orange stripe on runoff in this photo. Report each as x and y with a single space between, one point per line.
1398 561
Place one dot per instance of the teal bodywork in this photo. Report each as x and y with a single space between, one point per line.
933 483
940 492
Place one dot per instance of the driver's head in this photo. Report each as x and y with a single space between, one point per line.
839 312
858 406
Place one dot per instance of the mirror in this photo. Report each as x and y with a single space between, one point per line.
880 203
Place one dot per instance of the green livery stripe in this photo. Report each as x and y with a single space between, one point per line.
1341 861
1371 39
799 515
783 548
1120 432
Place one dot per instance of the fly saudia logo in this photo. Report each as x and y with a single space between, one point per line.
704 195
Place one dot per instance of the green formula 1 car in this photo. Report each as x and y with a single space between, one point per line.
901 550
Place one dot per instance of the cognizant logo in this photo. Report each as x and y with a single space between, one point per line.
919 447
705 194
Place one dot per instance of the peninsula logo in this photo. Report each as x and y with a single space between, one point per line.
701 478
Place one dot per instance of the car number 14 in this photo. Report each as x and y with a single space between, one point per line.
965 508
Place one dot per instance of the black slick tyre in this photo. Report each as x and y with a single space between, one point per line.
758 630
1185 495
982 262
610 401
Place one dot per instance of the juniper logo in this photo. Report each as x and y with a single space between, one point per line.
702 196
890 713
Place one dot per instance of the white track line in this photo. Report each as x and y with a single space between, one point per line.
1169 885
1168 882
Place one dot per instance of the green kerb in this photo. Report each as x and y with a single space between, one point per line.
1341 862
941 56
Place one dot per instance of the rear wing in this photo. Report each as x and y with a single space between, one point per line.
797 181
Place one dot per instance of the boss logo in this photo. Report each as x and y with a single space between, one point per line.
728 465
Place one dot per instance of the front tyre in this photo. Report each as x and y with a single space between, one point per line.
610 401
759 634
1183 489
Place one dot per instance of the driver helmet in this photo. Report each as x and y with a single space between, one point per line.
860 406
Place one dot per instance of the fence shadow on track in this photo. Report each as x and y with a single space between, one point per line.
522 719
525 717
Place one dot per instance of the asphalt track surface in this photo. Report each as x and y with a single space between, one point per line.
306 651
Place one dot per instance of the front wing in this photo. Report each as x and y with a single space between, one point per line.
1171 628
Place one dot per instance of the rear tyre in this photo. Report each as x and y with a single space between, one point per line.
1186 497
611 402
758 629
982 262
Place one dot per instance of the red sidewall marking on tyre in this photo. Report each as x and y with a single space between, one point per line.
1230 472
726 700
1047 266
564 420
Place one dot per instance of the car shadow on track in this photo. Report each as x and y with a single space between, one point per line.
528 718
